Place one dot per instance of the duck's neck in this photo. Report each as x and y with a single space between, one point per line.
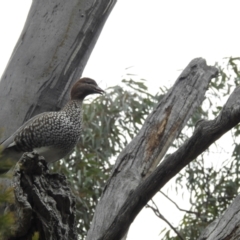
73 105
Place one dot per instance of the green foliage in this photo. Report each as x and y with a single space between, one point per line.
35 236
6 220
6 164
110 122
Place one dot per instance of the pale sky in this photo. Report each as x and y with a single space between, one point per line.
158 38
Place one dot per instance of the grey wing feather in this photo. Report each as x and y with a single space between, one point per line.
9 142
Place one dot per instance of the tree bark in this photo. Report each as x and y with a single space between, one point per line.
50 55
43 202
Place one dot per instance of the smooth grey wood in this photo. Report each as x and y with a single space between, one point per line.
50 55
140 157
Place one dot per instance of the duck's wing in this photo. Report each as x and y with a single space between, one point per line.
9 142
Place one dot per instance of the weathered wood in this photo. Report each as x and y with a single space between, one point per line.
206 133
50 55
145 151
227 226
44 202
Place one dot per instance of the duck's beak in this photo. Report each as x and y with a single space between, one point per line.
99 90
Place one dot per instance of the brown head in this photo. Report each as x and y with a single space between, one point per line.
84 87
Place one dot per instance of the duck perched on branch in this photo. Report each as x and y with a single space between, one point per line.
52 135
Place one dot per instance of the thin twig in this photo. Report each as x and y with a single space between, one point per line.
158 214
181 209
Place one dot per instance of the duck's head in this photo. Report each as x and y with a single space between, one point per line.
84 87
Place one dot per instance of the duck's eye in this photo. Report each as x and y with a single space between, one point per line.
91 83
